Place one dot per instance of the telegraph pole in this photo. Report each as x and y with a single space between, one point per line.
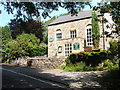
103 31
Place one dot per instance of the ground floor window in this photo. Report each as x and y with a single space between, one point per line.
60 49
68 49
76 46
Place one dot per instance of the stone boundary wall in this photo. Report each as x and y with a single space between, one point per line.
41 62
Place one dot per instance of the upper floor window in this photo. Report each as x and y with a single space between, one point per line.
89 41
58 34
73 34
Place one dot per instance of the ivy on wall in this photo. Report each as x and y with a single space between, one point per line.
95 30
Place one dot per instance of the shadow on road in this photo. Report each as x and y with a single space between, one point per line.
111 80
85 80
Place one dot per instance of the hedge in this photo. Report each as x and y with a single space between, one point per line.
92 58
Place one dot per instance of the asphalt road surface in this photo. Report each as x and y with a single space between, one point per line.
12 79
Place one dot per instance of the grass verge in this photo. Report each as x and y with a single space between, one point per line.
86 68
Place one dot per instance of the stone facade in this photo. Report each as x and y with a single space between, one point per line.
80 26
41 62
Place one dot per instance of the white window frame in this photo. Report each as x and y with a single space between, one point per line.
59 49
58 34
89 41
73 34
68 49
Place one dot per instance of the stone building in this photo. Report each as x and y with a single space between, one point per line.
73 33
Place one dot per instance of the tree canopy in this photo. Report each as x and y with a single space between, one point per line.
114 9
31 26
5 34
25 12
95 30
28 10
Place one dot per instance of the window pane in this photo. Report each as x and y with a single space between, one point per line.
89 37
73 34
58 35
89 32
78 46
68 49
60 49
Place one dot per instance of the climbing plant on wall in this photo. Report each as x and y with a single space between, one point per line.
95 30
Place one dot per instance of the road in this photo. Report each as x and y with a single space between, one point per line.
12 79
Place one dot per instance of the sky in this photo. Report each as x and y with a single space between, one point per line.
5 17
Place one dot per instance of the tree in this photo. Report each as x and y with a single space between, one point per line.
115 12
113 47
46 23
31 26
26 38
114 9
95 30
50 20
27 42
21 46
27 10
5 34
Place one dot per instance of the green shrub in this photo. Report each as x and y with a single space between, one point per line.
13 50
38 51
89 58
107 63
24 45
113 47
115 67
75 58
72 68
92 61
95 50
5 35
100 68
24 39
88 68
115 60
68 62
6 62
97 57
81 64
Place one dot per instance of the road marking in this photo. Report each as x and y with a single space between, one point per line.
33 78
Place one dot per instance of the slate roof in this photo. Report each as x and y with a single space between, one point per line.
69 18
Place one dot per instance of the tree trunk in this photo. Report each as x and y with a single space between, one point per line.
119 51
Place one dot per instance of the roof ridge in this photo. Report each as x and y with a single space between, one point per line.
78 12
69 17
